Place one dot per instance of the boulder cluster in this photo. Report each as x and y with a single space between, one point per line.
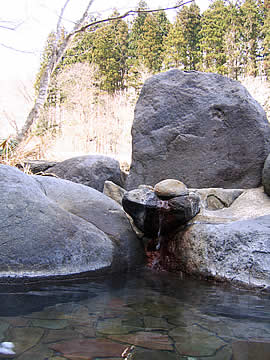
54 228
199 185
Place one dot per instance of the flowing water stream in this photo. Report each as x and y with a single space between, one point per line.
140 316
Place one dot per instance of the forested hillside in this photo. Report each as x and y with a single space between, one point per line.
95 87
230 37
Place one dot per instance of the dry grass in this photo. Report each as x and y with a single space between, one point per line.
28 149
105 129
88 121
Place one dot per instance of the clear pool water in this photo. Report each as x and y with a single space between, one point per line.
142 316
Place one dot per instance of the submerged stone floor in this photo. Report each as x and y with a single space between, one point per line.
143 319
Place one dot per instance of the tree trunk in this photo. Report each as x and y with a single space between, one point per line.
55 59
38 105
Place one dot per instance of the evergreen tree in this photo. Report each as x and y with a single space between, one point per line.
82 46
150 46
182 44
233 41
135 34
212 44
251 31
266 39
110 54
137 29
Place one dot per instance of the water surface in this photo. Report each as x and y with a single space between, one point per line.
141 316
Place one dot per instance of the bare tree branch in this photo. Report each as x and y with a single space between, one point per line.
58 53
12 26
14 49
128 13
69 37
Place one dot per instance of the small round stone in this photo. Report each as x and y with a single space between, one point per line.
170 188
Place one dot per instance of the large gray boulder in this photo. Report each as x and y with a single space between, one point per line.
266 175
52 227
89 170
237 252
201 128
36 166
228 244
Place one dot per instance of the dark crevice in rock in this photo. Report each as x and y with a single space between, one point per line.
160 219
215 203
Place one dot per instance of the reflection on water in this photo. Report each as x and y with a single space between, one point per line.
143 316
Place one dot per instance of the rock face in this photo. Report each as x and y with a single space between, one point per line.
51 227
89 170
229 244
251 349
266 175
114 191
216 199
202 128
236 251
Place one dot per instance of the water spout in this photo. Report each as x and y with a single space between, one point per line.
163 206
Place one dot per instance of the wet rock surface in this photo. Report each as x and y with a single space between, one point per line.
215 233
243 350
202 128
154 216
142 205
195 341
88 348
148 340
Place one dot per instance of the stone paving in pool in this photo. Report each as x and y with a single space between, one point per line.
147 324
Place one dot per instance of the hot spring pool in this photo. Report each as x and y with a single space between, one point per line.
142 316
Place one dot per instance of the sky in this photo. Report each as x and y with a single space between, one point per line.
21 49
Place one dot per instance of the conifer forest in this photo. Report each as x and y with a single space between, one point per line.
230 38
